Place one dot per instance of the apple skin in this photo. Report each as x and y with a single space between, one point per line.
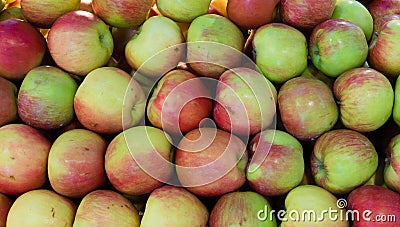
262 12
106 208
385 49
80 42
281 51
122 13
5 205
381 8
41 208
240 209
356 13
378 200
304 101
121 104
172 206
214 44
46 98
183 11
379 22
211 162
22 48
313 198
8 102
151 56
131 157
175 106
11 13
43 13
342 160
281 167
366 99
392 167
336 46
24 151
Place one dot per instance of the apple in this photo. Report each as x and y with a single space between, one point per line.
310 205
381 8
366 99
106 208
281 51
356 13
385 49
396 104
336 46
5 205
392 170
46 98
211 162
183 11
137 160
376 206
175 106
8 102
11 13
240 209
245 101
276 165
43 13
342 160
121 102
174 206
122 13
23 158
80 42
155 49
379 22
251 14
41 208
306 14
304 101
214 44
22 48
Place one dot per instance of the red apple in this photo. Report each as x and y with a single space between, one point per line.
5 205
381 8
23 159
8 102
379 22
22 48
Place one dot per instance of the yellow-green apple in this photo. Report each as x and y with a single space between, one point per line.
356 13
171 206
342 160
211 162
43 13
392 167
46 98
175 106
214 44
306 14
310 205
384 49
23 158
122 13
121 102
22 48
304 101
396 104
5 204
365 99
155 49
137 160
280 51
376 206
80 42
41 208
8 102
76 163
10 13
262 12
241 209
245 101
276 165
183 11
336 46
381 8
106 208
379 22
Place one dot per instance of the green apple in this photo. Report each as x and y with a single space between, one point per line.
281 51
183 11
155 49
396 105
355 12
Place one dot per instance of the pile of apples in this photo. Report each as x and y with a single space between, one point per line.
198 112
